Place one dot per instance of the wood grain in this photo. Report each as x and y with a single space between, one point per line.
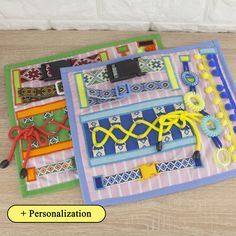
209 210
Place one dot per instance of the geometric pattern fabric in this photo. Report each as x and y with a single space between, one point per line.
136 174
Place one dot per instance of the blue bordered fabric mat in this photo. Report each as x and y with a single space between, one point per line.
205 47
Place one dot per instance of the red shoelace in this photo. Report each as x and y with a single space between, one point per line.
30 134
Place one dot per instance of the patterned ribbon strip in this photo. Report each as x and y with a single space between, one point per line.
67 165
150 65
36 72
98 96
144 172
29 94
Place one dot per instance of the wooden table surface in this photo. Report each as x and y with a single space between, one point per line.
209 210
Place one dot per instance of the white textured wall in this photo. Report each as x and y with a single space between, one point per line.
173 15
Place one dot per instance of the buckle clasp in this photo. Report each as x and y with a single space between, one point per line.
148 171
51 70
124 70
59 88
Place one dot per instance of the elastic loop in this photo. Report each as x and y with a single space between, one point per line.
222 162
213 131
194 102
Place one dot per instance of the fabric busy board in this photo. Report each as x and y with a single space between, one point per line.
40 132
153 123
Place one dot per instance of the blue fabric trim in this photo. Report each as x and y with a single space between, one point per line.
138 153
207 50
226 69
131 144
224 83
154 193
131 108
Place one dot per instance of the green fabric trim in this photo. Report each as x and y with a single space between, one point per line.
11 112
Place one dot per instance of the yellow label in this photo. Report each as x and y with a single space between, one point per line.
81 91
56 213
184 58
16 80
171 73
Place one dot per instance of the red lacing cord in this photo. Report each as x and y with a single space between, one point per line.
29 134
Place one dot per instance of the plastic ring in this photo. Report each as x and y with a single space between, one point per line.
194 101
211 131
189 78
225 162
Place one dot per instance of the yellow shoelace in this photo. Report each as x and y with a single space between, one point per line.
177 118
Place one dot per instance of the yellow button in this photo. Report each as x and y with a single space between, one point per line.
234 158
219 115
197 56
224 122
209 89
200 66
231 148
227 137
205 75
216 101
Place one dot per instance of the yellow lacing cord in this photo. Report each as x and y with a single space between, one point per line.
166 121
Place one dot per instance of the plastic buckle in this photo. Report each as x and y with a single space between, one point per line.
148 170
51 70
59 88
124 70
123 90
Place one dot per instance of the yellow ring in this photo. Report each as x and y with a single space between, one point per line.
227 157
194 101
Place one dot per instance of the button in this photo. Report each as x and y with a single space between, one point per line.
216 101
215 73
198 56
224 95
220 87
234 158
231 148
232 117
219 115
210 56
209 89
227 137
212 63
224 122
228 106
205 75
200 66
